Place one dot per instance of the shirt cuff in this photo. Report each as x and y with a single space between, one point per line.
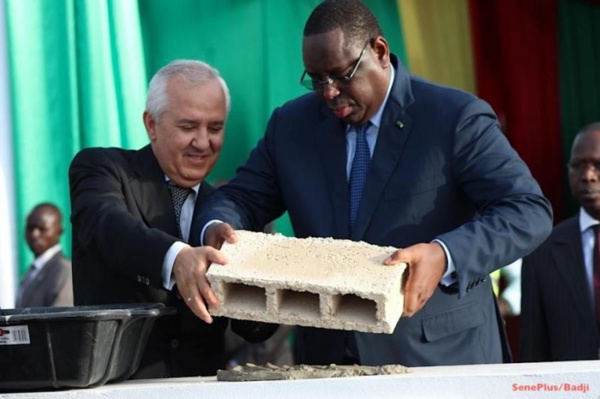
206 227
168 262
449 277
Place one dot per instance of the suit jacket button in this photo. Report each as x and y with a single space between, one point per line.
175 343
139 278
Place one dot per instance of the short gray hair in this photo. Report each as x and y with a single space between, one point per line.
193 73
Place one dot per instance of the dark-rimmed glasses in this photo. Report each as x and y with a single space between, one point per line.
314 84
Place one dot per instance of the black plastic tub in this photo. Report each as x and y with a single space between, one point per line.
73 347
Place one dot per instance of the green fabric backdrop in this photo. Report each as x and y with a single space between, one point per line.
77 79
79 71
579 63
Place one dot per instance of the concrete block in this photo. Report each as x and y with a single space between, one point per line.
316 282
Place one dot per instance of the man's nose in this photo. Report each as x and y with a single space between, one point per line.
590 172
201 138
330 91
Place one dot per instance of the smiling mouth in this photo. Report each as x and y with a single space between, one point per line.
197 157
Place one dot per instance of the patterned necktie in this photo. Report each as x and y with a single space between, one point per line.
359 170
596 274
178 196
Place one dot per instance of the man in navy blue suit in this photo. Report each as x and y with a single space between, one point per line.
443 186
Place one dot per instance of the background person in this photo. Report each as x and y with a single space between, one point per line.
507 287
560 310
48 281
441 182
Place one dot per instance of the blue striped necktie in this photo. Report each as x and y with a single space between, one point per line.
359 170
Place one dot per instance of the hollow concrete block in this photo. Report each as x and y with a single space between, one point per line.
315 282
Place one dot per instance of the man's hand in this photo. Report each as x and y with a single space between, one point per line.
426 266
217 233
190 269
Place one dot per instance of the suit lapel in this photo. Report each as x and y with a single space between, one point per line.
395 128
35 286
568 258
151 194
331 142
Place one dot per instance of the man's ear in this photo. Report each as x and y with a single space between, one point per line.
150 125
382 50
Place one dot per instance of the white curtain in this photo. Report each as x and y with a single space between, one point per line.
8 233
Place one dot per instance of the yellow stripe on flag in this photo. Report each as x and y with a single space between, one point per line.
437 36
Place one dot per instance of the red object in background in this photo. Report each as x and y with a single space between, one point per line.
515 48
512 333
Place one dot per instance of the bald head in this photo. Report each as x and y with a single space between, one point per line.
44 227
584 169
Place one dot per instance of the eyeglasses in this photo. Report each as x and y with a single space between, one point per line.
314 84
580 166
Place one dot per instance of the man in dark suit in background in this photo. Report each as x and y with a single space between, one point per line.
132 214
48 281
442 182
560 309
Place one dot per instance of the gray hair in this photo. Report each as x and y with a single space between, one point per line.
192 72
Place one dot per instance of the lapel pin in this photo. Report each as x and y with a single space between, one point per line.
400 124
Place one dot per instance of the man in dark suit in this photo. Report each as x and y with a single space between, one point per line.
48 281
443 184
131 216
559 309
